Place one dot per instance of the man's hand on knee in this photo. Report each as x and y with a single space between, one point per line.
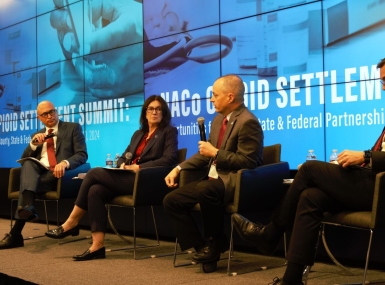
60 169
350 157
172 178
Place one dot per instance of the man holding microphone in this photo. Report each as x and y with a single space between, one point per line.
57 147
235 142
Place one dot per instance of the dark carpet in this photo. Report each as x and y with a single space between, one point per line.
9 280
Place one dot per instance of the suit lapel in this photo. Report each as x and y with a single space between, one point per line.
230 125
156 136
215 131
61 130
136 141
229 128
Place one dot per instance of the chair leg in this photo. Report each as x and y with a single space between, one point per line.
57 213
305 274
367 257
157 238
178 253
12 200
113 227
134 243
231 248
46 214
134 224
175 251
285 245
156 233
343 268
155 227
231 254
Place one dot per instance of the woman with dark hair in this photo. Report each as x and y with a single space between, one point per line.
154 144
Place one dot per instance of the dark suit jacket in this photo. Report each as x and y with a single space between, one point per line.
378 158
378 161
241 148
70 145
161 150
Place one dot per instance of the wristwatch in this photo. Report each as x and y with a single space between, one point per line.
367 155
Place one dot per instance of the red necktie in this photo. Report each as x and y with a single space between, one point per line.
51 151
222 132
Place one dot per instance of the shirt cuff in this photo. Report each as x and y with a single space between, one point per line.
67 163
33 147
179 168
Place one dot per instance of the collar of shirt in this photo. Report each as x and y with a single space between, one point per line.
229 116
55 129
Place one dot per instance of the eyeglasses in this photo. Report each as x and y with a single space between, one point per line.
50 112
152 109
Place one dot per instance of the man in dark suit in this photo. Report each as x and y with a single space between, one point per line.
240 147
65 150
318 187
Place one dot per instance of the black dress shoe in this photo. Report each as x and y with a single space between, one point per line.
253 233
87 255
60 233
209 267
28 213
11 241
212 251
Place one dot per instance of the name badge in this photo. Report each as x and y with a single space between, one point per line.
213 171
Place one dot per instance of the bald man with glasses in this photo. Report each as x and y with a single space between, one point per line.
59 146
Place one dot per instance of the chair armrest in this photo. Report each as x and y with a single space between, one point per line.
68 187
14 180
150 186
261 188
378 208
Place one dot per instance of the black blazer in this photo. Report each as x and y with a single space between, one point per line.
161 150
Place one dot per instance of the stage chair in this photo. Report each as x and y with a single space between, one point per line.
66 188
361 220
149 190
256 190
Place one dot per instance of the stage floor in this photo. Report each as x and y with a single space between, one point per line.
44 261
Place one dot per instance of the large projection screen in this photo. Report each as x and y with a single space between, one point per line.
309 68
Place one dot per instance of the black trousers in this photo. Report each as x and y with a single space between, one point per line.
35 178
320 187
178 204
99 187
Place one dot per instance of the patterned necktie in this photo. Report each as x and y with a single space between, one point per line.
51 151
222 132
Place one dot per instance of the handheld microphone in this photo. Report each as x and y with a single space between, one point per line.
128 158
201 125
51 135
